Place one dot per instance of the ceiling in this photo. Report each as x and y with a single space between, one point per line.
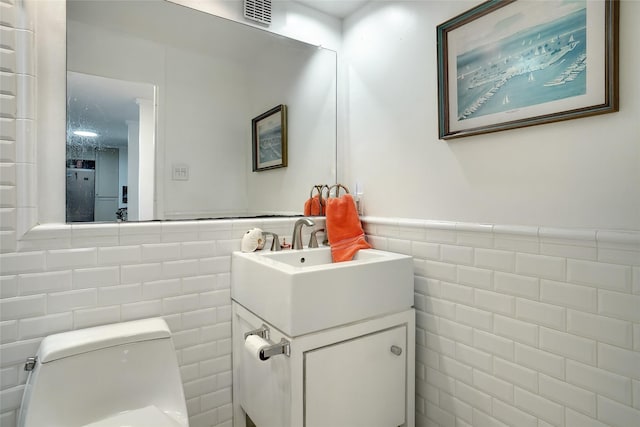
338 8
104 106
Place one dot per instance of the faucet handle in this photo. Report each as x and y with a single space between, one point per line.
313 240
275 242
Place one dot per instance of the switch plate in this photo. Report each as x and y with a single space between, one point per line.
180 172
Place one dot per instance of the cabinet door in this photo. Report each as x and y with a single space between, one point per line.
360 382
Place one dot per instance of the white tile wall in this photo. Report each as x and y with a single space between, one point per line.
549 336
185 282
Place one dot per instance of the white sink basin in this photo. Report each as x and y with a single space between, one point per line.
302 291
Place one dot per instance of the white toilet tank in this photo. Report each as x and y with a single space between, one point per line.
113 375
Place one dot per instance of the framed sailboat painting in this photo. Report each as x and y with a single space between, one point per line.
512 63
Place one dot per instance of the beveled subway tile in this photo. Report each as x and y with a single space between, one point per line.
619 305
26 41
140 228
624 240
599 274
602 328
540 361
547 267
518 243
568 251
96 277
88 317
35 327
26 102
72 258
141 310
22 262
603 382
515 284
569 395
22 307
137 273
619 360
94 230
120 294
40 283
49 231
569 295
456 254
7 149
25 133
8 219
617 256
495 259
541 313
120 255
160 252
614 413
568 236
8 286
568 345
8 196
202 249
59 302
476 277
7 174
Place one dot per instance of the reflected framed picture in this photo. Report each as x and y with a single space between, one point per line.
269 139
507 64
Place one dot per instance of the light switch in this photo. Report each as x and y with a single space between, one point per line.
180 172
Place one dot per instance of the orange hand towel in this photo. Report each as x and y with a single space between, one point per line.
313 206
344 230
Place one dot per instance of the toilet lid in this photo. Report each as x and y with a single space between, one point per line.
149 416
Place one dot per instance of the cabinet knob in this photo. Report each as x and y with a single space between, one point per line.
396 350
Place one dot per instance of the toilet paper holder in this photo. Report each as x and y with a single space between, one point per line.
283 347
262 332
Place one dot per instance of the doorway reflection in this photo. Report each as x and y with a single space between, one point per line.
110 131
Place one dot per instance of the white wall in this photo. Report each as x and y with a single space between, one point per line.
307 85
578 173
205 126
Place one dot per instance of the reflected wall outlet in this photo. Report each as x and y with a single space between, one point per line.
180 172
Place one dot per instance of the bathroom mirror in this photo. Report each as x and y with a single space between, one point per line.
203 79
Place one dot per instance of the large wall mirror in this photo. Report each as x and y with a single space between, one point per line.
160 99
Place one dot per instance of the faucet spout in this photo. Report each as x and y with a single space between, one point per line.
297 232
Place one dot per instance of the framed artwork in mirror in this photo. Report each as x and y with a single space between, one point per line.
507 64
269 139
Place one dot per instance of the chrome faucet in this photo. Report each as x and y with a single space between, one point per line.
297 232
275 242
313 239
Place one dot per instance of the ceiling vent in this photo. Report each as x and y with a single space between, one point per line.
258 10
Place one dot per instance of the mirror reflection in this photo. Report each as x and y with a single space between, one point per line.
171 100
107 128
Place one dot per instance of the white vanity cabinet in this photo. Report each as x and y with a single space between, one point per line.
359 374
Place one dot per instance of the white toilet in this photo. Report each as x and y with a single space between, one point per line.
124 374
